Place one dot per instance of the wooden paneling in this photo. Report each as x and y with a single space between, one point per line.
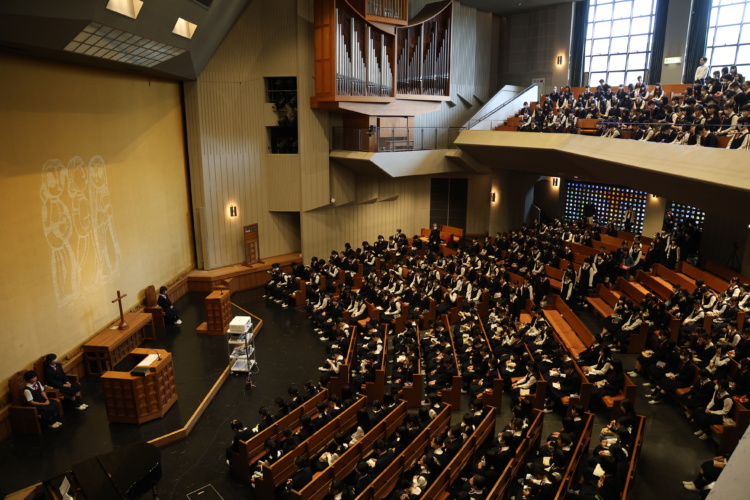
227 141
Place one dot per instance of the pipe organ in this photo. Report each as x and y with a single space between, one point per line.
367 51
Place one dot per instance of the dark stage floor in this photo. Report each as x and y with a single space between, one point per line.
288 351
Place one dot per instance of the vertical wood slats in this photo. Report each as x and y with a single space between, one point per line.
227 144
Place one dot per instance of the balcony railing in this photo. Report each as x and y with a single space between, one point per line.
394 139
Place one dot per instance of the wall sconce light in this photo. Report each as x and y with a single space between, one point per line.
233 211
654 196
492 197
559 60
555 182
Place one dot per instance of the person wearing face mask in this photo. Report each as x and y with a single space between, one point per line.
719 406
673 380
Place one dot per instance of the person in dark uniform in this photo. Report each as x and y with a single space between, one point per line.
55 377
434 239
629 218
171 314
241 433
33 393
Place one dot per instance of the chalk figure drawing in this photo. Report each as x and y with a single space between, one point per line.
79 226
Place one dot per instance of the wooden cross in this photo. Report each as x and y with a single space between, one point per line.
119 298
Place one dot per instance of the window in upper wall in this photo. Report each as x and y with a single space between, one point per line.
728 41
619 35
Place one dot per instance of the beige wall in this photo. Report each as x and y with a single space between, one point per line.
531 44
110 212
289 195
227 118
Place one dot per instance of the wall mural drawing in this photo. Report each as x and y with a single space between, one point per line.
78 223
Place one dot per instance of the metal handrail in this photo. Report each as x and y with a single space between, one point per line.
498 108
387 139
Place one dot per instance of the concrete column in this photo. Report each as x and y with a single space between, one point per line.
654 216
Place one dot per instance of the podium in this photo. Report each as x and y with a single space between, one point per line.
133 399
218 313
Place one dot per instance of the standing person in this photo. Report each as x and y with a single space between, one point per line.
434 239
55 377
33 393
702 70
171 313
629 217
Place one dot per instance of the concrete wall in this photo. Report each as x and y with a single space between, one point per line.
531 43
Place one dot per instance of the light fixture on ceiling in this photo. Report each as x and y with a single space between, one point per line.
105 42
184 28
129 8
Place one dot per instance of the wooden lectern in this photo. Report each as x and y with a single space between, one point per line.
218 313
252 250
134 399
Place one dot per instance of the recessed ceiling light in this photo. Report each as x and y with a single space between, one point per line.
184 28
129 8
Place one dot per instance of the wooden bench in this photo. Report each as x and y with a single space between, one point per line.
723 272
555 276
452 395
616 242
613 402
540 392
344 376
24 419
572 332
278 472
412 394
376 390
495 399
674 278
441 485
635 455
581 449
655 286
318 488
713 282
587 125
525 316
529 444
637 340
252 450
729 436
604 301
383 484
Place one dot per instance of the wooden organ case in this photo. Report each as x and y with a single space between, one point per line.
371 60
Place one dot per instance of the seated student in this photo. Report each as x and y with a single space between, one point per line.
679 377
301 478
55 377
699 394
171 314
33 393
717 408
266 419
610 385
708 474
